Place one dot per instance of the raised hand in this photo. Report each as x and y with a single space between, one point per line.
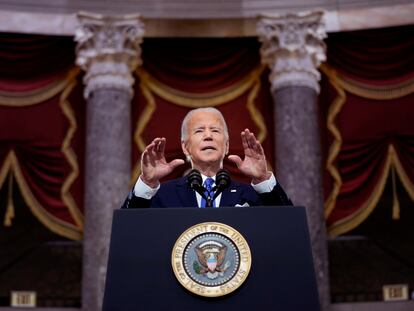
153 163
254 163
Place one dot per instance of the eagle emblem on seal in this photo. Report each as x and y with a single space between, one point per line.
211 256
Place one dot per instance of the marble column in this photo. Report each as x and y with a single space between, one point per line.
108 49
293 48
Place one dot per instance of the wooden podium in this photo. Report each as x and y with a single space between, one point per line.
140 275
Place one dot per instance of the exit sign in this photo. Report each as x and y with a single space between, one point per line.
395 292
23 299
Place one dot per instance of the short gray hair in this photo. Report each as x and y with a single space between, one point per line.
184 124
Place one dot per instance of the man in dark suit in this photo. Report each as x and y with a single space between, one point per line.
205 143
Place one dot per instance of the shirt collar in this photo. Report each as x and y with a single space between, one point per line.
205 177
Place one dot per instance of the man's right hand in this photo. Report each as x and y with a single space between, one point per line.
153 163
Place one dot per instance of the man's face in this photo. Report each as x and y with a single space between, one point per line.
206 142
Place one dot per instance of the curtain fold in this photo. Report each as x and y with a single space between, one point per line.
378 56
366 102
42 129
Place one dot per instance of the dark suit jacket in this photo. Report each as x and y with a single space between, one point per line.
177 193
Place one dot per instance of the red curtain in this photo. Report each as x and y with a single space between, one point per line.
366 104
367 90
42 129
181 74
42 112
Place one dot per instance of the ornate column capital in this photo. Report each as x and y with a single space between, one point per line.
108 49
293 48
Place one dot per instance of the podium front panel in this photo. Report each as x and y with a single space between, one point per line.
140 276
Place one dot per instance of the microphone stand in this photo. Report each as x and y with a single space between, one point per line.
195 180
223 181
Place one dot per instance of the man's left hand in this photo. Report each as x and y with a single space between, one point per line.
254 164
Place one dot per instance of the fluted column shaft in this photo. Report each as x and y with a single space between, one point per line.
108 50
292 47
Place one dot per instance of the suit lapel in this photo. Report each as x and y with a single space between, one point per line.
186 195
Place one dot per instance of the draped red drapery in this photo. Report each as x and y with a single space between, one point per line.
367 101
41 130
42 112
366 114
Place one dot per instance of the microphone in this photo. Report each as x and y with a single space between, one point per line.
223 181
195 181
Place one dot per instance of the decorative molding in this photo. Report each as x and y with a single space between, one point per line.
63 22
293 48
193 9
108 50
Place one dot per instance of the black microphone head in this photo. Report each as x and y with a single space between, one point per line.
223 179
194 179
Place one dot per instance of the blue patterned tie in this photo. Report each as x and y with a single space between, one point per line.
208 184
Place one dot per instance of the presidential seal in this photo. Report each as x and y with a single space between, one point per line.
211 259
